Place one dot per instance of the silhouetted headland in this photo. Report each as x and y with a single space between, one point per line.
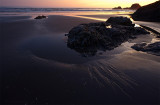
149 12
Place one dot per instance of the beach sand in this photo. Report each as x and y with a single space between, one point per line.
39 68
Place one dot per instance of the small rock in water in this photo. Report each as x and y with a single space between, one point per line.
153 48
40 17
139 47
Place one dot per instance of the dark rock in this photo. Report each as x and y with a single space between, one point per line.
139 47
119 7
135 6
153 48
40 17
88 38
120 21
158 36
149 12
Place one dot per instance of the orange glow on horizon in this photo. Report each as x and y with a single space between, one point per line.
74 3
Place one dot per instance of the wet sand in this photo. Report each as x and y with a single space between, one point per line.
39 68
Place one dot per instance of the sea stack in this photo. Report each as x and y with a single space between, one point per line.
135 6
149 12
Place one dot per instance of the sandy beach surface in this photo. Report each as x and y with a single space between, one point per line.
39 68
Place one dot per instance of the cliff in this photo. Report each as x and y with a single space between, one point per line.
149 12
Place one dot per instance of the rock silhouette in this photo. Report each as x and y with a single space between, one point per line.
40 17
119 7
135 6
149 12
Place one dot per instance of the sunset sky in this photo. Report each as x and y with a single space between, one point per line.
72 3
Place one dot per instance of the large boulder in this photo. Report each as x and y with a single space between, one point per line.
88 38
153 48
149 12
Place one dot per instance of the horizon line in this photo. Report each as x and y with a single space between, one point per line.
52 7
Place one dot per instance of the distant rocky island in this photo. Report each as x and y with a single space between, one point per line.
133 7
119 7
149 12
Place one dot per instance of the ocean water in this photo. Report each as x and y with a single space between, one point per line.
56 9
76 12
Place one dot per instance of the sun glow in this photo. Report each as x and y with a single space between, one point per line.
73 3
